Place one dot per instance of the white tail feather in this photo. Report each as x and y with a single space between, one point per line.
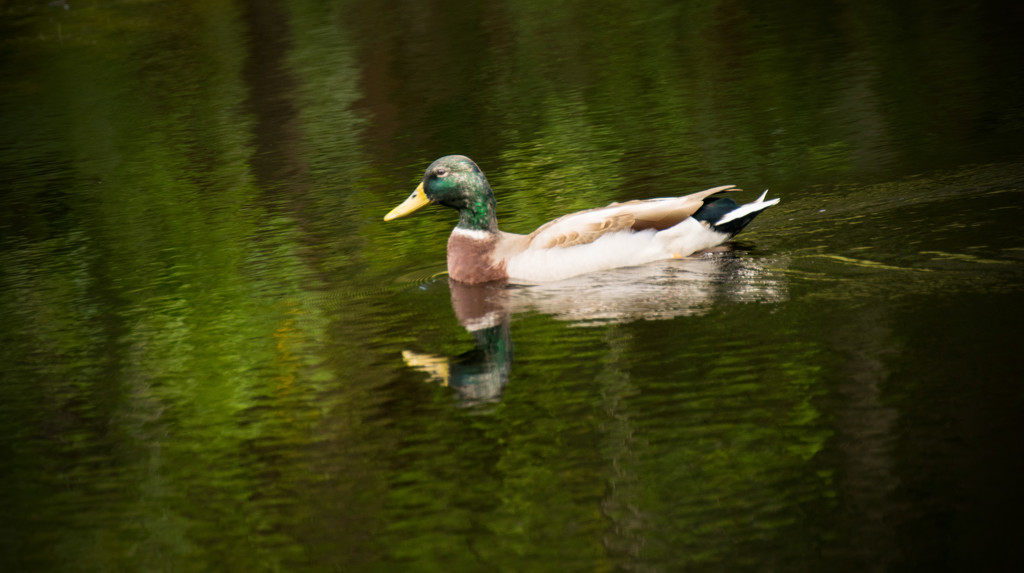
753 207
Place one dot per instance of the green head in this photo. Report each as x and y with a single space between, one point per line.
454 181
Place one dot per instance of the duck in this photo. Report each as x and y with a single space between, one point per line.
624 234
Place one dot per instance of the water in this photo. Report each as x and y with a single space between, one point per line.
216 356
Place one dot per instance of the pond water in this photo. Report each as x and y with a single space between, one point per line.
216 356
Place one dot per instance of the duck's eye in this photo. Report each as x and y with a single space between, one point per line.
441 172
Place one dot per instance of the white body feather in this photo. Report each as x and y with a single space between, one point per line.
619 249
613 250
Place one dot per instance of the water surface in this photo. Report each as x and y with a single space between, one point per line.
216 356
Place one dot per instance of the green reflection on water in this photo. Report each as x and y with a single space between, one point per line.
152 322
204 325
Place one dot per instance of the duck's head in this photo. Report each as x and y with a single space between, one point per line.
454 181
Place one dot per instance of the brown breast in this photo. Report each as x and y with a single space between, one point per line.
470 259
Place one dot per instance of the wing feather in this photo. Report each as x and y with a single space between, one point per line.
587 226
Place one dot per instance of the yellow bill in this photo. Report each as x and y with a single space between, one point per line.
415 201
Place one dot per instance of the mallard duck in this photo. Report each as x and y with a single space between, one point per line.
619 235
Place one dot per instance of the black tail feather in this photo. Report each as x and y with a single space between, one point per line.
714 208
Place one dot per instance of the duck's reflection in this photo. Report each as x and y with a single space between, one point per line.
652 292
480 374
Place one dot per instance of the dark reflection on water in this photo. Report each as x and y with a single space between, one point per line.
215 356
